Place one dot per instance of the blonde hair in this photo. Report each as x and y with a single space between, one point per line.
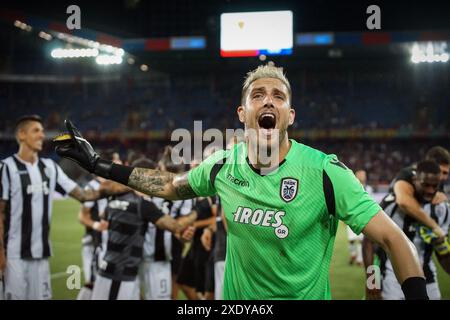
265 71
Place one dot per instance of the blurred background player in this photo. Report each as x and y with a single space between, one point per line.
155 271
90 215
128 215
354 240
425 181
192 274
28 185
193 277
441 156
179 209
214 239
404 189
428 243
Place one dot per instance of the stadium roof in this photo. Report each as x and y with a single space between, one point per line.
137 18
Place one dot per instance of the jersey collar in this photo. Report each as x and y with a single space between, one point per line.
258 171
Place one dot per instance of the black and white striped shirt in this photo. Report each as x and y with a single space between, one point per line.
97 209
128 216
158 243
28 190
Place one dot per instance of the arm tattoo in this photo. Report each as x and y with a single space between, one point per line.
182 187
161 184
149 181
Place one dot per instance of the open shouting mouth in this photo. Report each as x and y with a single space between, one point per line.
267 122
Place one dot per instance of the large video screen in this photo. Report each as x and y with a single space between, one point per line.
246 34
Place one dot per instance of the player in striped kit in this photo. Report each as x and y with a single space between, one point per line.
155 271
90 216
28 184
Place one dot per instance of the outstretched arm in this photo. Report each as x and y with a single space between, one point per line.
83 195
161 184
402 253
152 182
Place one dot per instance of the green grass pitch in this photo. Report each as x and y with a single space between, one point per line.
347 282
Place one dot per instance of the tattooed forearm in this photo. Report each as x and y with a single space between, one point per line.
161 184
152 182
182 187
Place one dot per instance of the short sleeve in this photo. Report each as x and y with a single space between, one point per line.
4 182
352 204
201 179
149 211
64 184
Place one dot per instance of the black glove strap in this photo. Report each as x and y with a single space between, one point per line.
120 173
109 170
103 168
415 288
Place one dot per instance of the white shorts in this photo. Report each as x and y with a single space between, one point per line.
353 236
107 289
27 279
391 289
156 279
87 256
219 268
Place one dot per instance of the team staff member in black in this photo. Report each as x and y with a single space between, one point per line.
128 215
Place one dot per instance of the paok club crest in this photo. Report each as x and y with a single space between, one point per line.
288 189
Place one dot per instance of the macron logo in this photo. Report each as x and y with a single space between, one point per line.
236 181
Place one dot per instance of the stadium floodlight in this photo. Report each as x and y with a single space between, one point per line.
22 25
108 59
73 53
430 52
105 48
144 68
45 35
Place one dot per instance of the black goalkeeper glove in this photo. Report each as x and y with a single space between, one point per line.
73 146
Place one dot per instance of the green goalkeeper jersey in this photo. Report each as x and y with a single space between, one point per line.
282 226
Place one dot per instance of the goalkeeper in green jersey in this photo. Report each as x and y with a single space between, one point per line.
282 200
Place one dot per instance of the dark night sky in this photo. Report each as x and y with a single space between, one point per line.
190 17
